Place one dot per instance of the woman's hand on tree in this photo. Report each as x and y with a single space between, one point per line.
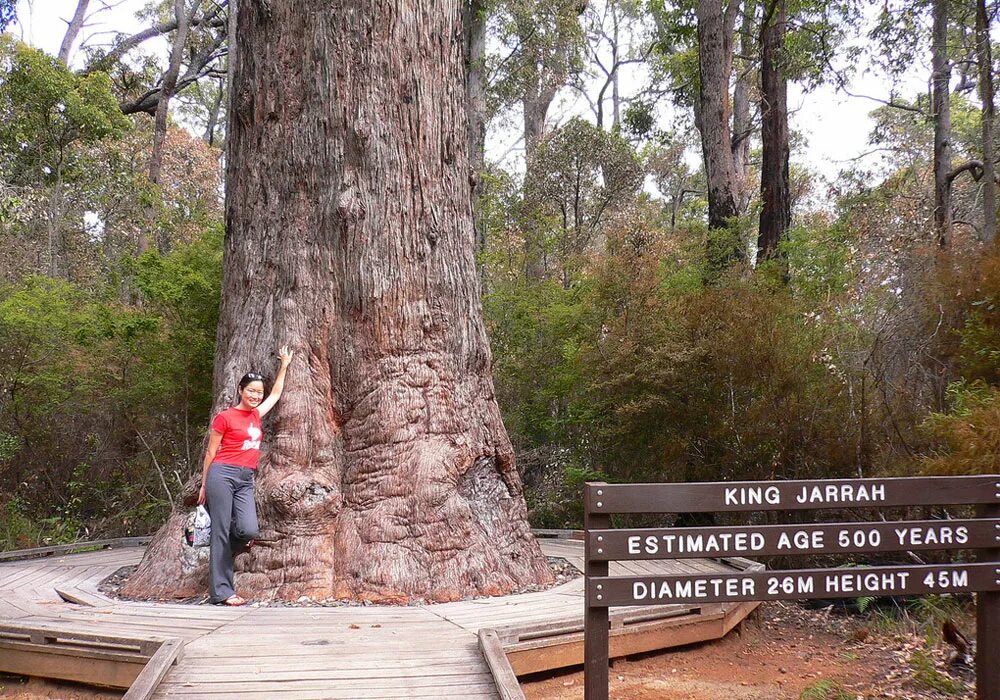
285 355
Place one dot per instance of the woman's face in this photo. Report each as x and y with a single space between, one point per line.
252 394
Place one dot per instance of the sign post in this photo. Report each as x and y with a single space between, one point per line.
604 544
596 618
988 616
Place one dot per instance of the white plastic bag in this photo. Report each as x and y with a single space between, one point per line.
198 532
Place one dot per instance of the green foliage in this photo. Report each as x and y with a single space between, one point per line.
926 675
966 435
103 402
45 109
582 175
641 372
864 603
546 41
819 261
825 690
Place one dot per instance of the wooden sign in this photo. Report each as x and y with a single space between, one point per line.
850 582
727 496
761 540
604 544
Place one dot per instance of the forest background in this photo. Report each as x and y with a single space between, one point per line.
671 291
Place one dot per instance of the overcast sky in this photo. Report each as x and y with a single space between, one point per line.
835 126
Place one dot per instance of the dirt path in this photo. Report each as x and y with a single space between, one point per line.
784 652
20 688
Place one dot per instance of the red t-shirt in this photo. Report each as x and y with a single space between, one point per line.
241 435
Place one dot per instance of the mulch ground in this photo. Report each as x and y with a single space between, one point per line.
562 572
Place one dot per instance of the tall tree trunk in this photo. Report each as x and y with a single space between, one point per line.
387 474
616 116
183 18
715 60
214 112
984 54
73 30
941 103
475 89
742 125
776 213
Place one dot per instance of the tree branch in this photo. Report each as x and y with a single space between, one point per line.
210 18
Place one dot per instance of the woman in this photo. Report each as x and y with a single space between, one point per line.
228 475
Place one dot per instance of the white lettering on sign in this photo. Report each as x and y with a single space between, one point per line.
752 496
842 493
861 583
802 540
696 544
936 535
947 579
798 585
859 538
693 588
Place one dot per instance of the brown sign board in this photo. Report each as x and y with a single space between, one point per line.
761 540
604 544
732 496
854 582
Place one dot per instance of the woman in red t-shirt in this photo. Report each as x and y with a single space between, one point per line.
228 475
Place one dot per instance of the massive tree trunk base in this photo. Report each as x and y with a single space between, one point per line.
451 544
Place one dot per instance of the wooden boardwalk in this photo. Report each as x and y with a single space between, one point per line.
349 652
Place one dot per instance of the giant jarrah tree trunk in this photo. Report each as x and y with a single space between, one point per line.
387 473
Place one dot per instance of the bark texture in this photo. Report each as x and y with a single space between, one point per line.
387 473
475 90
716 23
776 212
984 55
941 96
742 122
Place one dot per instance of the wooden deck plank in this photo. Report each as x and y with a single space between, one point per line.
482 691
304 653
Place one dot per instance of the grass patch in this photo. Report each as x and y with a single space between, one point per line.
825 690
926 675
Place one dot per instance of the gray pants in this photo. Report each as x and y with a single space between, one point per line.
229 492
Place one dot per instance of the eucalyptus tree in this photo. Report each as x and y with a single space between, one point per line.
588 173
388 474
49 118
544 41
959 35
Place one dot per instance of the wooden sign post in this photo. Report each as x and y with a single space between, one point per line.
604 544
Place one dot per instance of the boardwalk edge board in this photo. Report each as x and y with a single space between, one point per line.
604 544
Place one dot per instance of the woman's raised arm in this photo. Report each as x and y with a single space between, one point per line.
285 355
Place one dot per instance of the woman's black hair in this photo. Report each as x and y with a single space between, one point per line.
250 377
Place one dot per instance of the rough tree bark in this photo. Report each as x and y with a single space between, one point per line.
475 90
742 123
984 54
387 474
715 61
941 105
776 212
